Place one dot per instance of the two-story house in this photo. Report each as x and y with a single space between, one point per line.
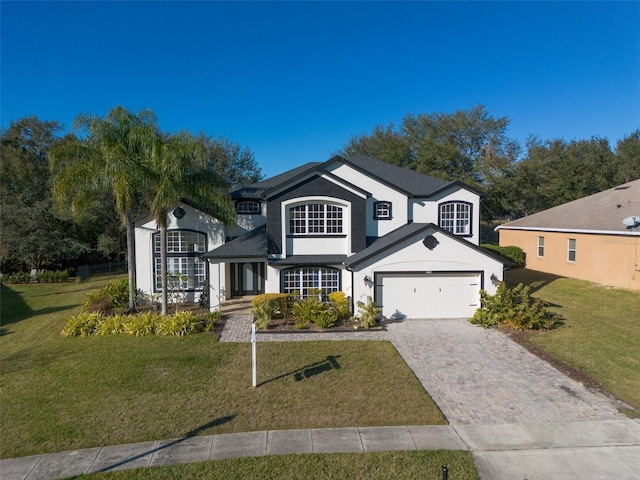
361 226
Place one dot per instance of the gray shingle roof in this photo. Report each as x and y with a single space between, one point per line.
409 230
310 260
251 244
412 183
256 190
600 212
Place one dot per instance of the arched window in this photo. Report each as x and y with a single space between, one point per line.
248 207
307 279
183 250
316 219
455 217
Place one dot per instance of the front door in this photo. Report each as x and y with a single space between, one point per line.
247 278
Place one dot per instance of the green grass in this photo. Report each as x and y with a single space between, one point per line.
354 466
61 394
601 331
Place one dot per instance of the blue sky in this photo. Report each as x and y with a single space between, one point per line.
293 81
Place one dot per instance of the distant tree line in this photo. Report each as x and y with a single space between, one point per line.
472 146
63 195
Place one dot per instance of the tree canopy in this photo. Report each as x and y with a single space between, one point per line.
473 146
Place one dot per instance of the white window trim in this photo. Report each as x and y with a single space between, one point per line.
386 205
184 256
242 207
574 250
299 271
346 216
457 203
540 245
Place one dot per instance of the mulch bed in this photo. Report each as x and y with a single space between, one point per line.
282 325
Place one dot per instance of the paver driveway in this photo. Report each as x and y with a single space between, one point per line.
479 376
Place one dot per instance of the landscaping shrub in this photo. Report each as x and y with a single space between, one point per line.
18 277
110 324
369 312
266 305
325 319
340 304
211 319
142 325
512 253
263 313
514 308
112 297
311 309
81 325
180 324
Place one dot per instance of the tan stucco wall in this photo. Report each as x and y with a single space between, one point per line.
606 259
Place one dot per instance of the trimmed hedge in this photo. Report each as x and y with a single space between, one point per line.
512 253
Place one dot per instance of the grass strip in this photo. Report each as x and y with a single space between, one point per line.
353 466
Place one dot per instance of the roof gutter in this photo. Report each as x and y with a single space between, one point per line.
571 230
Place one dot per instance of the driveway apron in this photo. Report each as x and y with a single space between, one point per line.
479 376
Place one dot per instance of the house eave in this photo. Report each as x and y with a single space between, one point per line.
571 230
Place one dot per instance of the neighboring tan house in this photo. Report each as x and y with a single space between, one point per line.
361 226
586 238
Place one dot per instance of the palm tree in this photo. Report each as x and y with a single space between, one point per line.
180 171
114 154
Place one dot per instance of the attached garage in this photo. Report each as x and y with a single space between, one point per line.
428 295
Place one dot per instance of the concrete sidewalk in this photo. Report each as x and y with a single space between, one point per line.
567 450
215 447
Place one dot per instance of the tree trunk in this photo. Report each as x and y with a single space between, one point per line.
163 268
131 262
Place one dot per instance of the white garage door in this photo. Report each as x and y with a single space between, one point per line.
438 295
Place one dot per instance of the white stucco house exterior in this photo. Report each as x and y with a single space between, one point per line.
358 225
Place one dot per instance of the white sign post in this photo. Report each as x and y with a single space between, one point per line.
253 354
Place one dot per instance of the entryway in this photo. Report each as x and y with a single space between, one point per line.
247 278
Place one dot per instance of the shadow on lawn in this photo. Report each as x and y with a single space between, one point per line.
302 373
534 279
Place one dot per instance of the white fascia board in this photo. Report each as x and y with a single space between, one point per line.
347 186
324 175
570 230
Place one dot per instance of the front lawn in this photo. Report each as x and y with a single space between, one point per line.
68 393
601 331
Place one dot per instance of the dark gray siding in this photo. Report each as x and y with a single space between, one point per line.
312 187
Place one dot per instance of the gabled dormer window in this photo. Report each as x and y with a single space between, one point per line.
382 211
248 207
455 217
315 219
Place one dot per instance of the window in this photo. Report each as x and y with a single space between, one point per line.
248 207
183 248
455 217
315 219
541 246
181 241
305 279
382 211
572 250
